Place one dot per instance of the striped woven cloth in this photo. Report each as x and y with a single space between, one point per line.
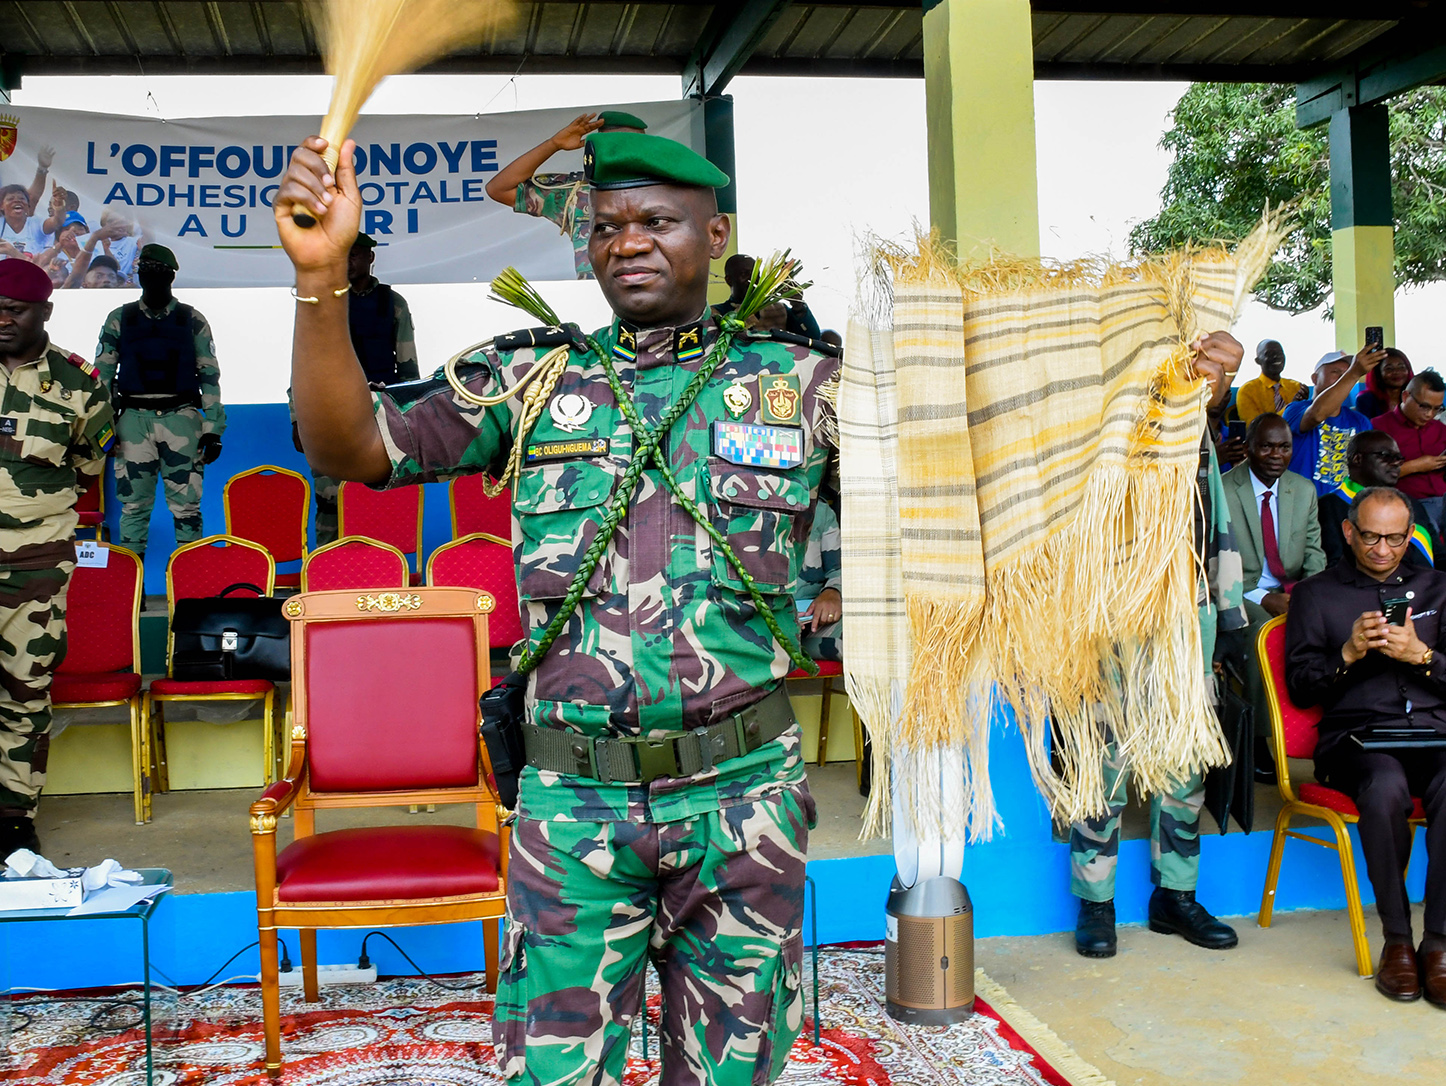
1047 432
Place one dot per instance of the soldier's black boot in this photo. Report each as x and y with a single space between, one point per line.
17 833
1094 931
1176 912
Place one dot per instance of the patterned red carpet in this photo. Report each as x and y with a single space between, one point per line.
411 1033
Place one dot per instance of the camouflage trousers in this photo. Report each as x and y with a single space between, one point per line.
826 644
151 444
32 646
326 489
715 902
1174 836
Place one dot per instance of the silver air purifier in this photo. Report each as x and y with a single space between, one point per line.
929 952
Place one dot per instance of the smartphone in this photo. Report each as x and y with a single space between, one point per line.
1375 337
1235 430
1395 610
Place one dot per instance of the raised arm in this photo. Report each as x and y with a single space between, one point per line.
42 170
503 187
329 390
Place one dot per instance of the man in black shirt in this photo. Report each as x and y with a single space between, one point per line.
1343 655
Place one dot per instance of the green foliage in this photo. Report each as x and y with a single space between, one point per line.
1236 149
511 287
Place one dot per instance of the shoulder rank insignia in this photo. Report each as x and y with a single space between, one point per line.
561 335
781 397
84 365
758 446
688 343
818 346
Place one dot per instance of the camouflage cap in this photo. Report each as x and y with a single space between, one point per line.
617 118
160 254
625 160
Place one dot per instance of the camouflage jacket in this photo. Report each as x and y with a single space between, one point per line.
823 560
107 358
564 199
55 426
665 637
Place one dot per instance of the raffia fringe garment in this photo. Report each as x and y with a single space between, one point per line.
1019 449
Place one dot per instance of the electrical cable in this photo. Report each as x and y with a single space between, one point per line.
363 962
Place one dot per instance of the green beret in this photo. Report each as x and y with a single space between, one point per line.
364 241
616 118
625 160
160 254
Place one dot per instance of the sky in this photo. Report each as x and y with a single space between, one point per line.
823 165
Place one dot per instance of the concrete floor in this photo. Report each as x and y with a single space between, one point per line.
1283 1008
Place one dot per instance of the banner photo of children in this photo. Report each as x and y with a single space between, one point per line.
81 193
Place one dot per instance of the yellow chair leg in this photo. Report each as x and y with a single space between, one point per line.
1364 965
268 738
491 929
310 987
1272 869
823 713
138 765
271 1002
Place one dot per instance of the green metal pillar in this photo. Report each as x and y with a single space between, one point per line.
979 103
1362 241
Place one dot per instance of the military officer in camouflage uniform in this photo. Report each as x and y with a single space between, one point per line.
820 588
560 198
664 813
158 359
1175 814
55 429
382 336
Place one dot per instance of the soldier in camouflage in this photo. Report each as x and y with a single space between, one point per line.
820 588
560 198
1175 814
158 359
55 429
382 336
686 849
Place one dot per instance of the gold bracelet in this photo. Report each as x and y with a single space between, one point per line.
1426 660
317 301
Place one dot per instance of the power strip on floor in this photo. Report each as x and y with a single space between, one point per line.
327 975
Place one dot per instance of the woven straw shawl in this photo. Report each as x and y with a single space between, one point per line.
1021 441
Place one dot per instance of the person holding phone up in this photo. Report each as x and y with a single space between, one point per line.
1324 427
1364 642
1421 436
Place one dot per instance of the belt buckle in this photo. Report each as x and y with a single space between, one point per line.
657 758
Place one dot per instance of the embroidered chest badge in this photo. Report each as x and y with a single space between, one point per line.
758 446
571 412
737 399
781 396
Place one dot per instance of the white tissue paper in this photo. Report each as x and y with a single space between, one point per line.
33 882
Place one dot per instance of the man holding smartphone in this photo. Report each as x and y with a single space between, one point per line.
1364 641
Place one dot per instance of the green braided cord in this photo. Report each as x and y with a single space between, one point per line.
725 340
647 441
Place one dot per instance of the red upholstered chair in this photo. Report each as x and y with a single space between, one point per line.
1293 730
474 512
372 736
354 562
196 570
391 516
484 561
828 671
102 665
271 506
90 505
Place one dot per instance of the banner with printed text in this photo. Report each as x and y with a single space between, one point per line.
82 192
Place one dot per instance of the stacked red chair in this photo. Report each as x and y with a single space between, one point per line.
271 506
485 562
473 511
354 562
389 516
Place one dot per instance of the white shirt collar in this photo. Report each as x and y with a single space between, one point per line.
1261 489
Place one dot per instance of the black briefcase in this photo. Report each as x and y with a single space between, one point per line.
216 638
1230 789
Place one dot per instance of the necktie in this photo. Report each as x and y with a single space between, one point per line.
1272 547
1279 399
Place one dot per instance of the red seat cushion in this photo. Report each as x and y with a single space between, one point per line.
387 863
234 686
103 686
827 669
90 519
1323 796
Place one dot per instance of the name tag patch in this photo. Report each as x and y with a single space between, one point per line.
563 450
758 446
9 426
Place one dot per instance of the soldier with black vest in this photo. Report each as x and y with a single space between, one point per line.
158 359
381 335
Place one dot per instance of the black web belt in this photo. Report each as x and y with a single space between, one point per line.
638 760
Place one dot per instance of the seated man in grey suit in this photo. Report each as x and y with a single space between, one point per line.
1277 531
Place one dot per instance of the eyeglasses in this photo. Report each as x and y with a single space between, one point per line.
1395 539
1387 457
1427 408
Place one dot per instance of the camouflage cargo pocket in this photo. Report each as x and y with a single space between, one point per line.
756 511
560 508
509 1009
786 1015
